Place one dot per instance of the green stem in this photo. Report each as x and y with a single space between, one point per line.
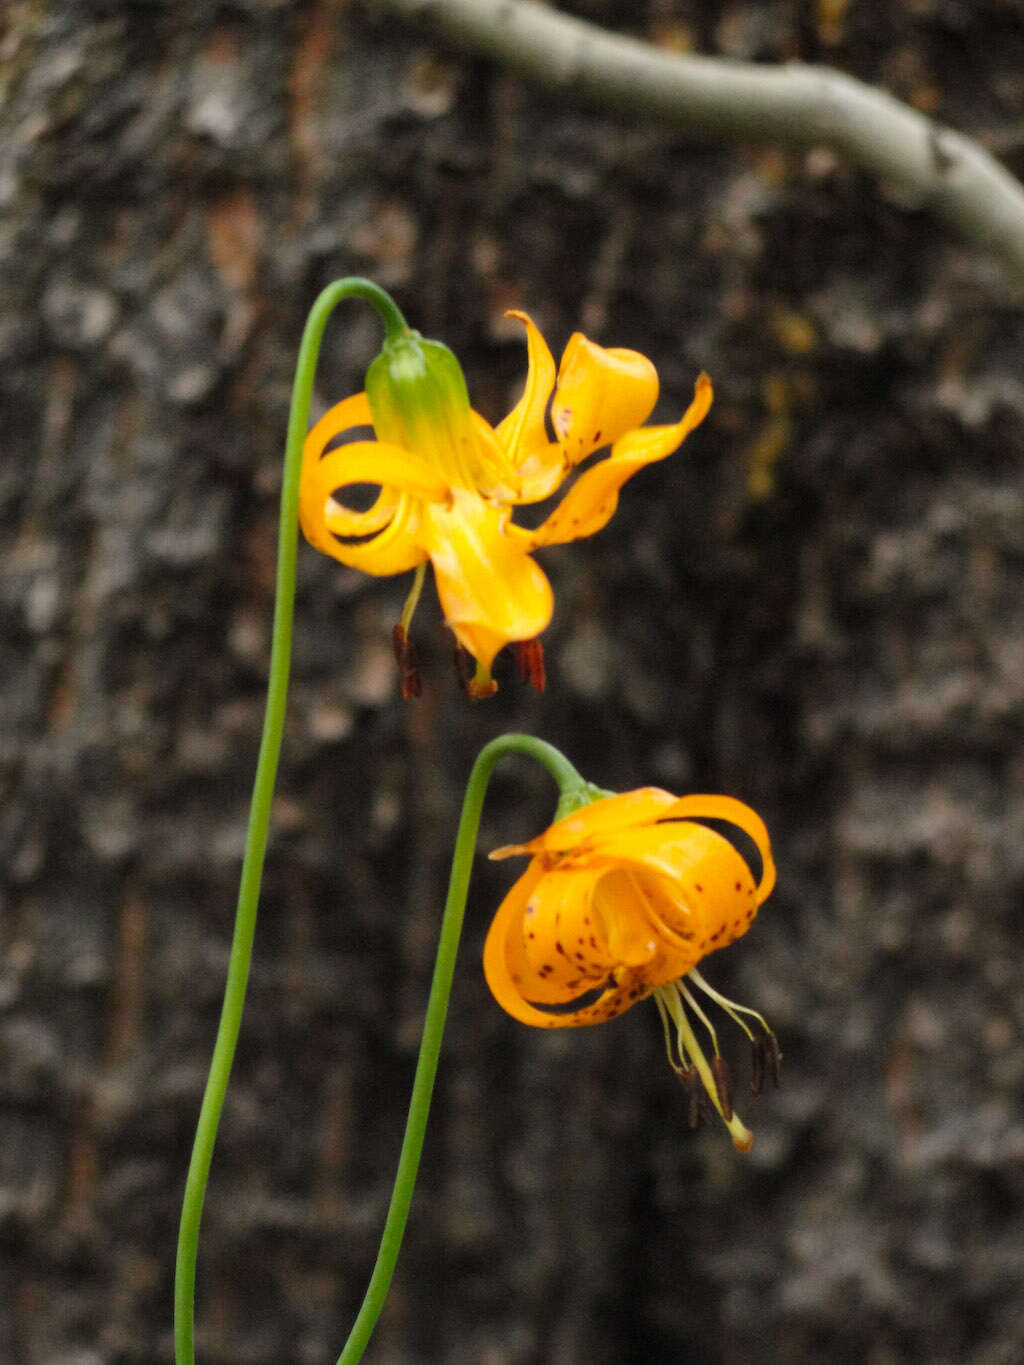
568 780
263 792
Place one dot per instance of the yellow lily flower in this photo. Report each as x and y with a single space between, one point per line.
621 900
448 481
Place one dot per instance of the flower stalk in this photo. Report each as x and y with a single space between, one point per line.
262 797
575 792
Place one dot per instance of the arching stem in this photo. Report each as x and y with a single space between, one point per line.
262 797
570 782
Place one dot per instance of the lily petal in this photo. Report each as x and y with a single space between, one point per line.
592 500
539 464
710 897
610 813
349 413
346 416
491 591
600 395
523 431
512 983
405 480
561 952
738 814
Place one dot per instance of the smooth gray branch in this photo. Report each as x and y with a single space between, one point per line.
937 170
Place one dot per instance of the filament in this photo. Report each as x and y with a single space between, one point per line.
732 1009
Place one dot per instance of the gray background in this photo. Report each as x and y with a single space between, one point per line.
816 607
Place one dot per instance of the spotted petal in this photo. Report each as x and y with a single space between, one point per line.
592 500
514 983
600 395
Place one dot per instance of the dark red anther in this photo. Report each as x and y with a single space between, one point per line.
690 1077
723 1084
774 1058
757 1065
408 663
530 663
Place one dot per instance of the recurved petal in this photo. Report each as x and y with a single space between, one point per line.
491 591
504 952
592 500
406 484
736 813
345 416
343 521
600 395
561 951
523 431
599 818
515 984
695 885
670 848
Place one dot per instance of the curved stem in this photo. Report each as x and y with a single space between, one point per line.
568 779
263 792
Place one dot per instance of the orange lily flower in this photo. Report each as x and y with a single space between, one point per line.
448 481
621 900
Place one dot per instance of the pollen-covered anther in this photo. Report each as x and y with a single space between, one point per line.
530 663
408 662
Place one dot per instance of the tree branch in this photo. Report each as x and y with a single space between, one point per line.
937 170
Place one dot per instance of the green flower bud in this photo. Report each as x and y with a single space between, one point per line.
419 400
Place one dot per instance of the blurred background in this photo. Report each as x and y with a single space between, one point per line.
816 607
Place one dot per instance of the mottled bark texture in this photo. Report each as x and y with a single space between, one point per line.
816 607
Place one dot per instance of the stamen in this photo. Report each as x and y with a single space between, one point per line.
530 663
774 1057
405 650
690 1077
730 1006
687 996
742 1137
408 663
757 1062
405 620
723 1086
668 1037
